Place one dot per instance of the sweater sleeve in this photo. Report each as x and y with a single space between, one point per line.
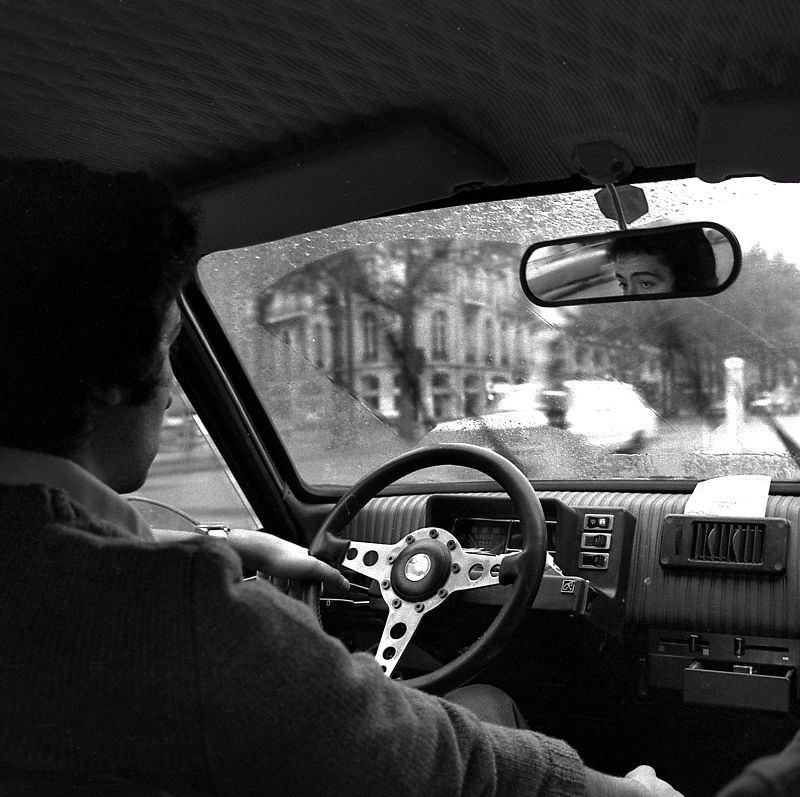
286 709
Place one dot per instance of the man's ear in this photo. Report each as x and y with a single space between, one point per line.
107 394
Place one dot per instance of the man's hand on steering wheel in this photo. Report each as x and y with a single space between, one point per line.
278 558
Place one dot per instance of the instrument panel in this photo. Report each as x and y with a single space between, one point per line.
494 535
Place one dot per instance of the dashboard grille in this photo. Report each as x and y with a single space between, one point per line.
728 541
750 545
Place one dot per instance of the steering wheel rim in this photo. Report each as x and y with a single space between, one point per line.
523 571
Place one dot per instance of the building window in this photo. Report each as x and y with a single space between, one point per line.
369 330
581 357
439 335
397 392
501 286
371 391
442 396
471 349
319 345
489 342
504 344
599 358
474 394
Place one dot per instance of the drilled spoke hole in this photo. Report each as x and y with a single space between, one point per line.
398 631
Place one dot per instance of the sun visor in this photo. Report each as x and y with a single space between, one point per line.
369 174
750 132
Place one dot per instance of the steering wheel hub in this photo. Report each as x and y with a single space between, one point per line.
420 570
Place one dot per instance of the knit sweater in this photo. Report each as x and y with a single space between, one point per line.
158 663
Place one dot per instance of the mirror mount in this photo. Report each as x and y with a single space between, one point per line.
605 163
623 203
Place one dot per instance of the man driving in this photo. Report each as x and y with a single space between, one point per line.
133 659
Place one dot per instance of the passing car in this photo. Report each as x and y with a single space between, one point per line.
775 402
371 183
606 414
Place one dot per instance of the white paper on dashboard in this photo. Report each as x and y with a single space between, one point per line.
730 496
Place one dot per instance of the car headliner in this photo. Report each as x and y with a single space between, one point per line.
281 114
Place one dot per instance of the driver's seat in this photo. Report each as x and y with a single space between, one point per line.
38 784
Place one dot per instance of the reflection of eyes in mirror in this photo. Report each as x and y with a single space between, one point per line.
679 260
641 274
667 261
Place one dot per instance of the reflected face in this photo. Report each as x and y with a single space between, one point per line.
643 274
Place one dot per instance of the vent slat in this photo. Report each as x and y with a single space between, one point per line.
741 543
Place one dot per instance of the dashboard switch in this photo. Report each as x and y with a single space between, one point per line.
593 561
599 542
600 522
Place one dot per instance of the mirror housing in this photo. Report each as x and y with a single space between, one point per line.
695 259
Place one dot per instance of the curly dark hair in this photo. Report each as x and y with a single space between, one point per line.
686 252
89 264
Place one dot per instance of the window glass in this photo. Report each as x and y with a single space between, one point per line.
189 473
378 336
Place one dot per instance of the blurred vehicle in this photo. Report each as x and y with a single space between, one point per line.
780 401
607 414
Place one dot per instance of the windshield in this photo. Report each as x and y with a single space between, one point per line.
373 338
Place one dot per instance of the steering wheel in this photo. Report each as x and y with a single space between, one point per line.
419 572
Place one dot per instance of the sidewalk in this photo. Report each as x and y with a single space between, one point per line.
182 460
755 435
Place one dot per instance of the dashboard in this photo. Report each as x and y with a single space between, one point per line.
631 566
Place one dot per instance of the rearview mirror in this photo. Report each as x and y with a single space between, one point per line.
697 259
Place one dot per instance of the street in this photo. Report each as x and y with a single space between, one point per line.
189 476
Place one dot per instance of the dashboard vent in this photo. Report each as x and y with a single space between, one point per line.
727 541
749 545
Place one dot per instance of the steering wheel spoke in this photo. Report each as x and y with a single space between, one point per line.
397 634
474 570
369 559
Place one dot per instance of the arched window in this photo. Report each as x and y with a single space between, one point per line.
371 391
439 335
369 332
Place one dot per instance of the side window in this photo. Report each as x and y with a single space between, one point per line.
189 474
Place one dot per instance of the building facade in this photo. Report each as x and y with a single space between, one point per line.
423 330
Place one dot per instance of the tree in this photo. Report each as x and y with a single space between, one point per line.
758 319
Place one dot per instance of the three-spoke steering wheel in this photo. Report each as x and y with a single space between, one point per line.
419 572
